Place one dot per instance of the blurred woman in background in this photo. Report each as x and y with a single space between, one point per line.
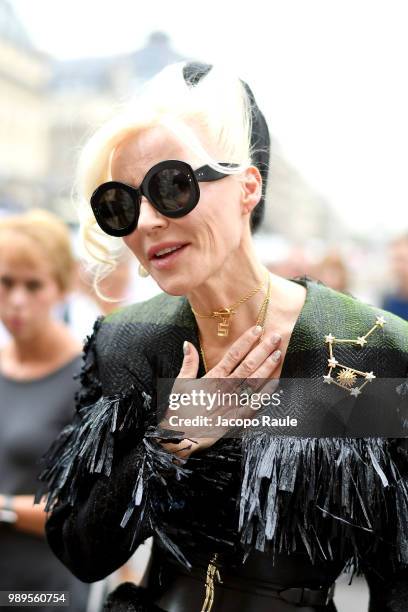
332 271
37 395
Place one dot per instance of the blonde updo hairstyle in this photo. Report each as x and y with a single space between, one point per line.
218 105
39 232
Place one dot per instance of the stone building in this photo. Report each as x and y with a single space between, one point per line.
293 208
84 93
24 116
48 108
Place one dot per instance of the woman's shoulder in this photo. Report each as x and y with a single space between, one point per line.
136 320
130 339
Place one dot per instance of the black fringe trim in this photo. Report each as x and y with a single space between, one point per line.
312 490
290 485
87 445
90 386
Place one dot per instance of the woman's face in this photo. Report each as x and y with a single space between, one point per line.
207 236
28 291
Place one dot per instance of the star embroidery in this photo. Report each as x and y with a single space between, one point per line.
348 375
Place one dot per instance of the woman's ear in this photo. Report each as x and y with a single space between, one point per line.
251 186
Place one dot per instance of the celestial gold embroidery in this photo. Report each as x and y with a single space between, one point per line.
347 376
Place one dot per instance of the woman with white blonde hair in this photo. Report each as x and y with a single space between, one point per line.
242 518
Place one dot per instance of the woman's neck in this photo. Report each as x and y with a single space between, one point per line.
51 344
233 282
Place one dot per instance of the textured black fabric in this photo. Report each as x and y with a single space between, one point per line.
128 597
320 502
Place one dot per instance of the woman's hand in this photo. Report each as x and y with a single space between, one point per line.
243 360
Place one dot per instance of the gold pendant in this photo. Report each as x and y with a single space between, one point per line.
223 325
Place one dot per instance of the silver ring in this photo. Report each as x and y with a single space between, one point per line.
246 388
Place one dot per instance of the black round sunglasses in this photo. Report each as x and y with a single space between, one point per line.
171 186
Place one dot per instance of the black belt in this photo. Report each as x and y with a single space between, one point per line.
182 586
307 597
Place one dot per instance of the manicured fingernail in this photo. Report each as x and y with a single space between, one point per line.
186 347
257 330
275 338
276 355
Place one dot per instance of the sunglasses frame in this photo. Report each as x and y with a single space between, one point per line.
202 174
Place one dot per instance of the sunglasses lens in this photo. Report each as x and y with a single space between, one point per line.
172 189
116 209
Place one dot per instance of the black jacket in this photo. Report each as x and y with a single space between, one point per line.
336 501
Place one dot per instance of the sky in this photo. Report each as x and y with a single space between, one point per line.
330 76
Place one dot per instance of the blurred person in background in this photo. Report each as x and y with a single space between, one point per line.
296 263
397 300
37 365
83 304
87 302
332 271
4 335
253 522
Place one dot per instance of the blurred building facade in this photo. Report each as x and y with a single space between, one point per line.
84 94
48 108
293 208
24 116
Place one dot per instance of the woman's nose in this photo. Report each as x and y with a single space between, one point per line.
149 217
18 296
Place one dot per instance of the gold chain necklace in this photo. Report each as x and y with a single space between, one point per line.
225 313
212 569
261 320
